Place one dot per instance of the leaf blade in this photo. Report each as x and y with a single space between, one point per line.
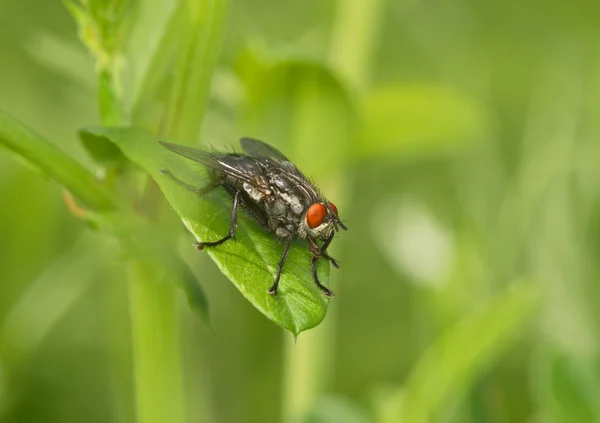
53 162
250 262
458 354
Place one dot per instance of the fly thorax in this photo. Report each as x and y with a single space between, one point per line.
283 232
279 209
254 193
289 192
293 201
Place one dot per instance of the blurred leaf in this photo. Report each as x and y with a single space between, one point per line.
102 150
201 26
103 26
194 292
568 388
250 262
46 300
155 340
331 409
51 52
447 368
53 162
355 33
112 108
145 242
149 46
418 119
135 233
300 105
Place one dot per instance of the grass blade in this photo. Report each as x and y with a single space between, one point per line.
448 366
51 161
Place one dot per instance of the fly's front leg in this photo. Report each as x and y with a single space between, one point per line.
328 292
233 225
288 244
322 252
317 253
333 261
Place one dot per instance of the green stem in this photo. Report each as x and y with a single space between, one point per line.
202 29
309 362
308 369
354 37
156 347
53 162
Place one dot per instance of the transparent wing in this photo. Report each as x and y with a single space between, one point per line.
230 165
194 154
258 148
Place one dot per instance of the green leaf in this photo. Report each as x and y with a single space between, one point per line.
144 241
156 338
250 262
302 103
194 292
103 26
567 387
101 150
35 314
449 366
79 181
112 109
355 35
201 26
51 161
418 119
150 44
334 409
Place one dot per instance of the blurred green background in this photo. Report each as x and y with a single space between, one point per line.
460 141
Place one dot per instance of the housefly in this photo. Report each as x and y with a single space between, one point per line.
271 191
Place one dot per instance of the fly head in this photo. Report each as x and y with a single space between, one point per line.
321 220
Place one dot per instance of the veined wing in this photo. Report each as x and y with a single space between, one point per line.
222 163
258 148
261 150
193 154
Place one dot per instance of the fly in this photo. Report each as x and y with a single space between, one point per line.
273 192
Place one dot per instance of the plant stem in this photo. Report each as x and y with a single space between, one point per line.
202 25
53 162
156 347
307 369
309 363
354 37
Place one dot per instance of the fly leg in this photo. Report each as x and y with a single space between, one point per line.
328 292
233 225
286 249
317 253
187 186
333 261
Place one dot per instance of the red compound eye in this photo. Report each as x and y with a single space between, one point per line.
315 215
334 208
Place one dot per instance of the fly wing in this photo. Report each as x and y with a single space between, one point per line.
258 148
224 164
194 154
274 158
